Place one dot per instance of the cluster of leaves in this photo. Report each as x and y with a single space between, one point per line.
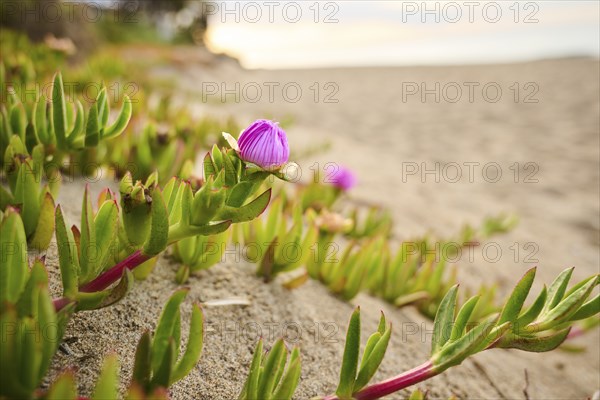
162 138
373 222
347 273
31 327
273 244
61 126
199 252
354 377
317 195
408 277
22 61
414 275
158 362
268 377
147 220
27 192
86 252
166 147
157 365
540 327
32 146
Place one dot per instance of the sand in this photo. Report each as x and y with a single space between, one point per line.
376 133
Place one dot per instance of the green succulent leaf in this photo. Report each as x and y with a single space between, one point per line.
13 270
30 352
271 369
250 391
40 122
536 344
514 304
28 300
162 374
533 311
87 243
64 388
565 308
27 196
107 386
463 317
169 318
159 230
52 326
587 310
108 297
246 212
350 359
417 395
454 353
289 382
194 345
75 135
209 166
92 128
106 224
45 226
239 194
142 367
59 113
374 359
444 319
122 120
67 256
557 289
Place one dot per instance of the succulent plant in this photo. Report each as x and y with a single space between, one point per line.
268 377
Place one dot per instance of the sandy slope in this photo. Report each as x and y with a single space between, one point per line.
376 133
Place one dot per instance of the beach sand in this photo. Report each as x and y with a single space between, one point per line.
381 132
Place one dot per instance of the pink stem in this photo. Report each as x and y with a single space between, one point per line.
402 381
107 278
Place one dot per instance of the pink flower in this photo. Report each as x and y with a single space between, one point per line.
265 144
340 177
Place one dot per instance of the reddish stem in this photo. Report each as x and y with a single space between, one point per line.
402 381
108 277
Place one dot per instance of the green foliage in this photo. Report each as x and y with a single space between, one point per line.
268 377
23 61
27 191
418 395
271 242
199 252
86 252
107 386
61 126
407 277
317 196
346 273
377 221
14 270
543 326
221 200
158 360
353 377
31 327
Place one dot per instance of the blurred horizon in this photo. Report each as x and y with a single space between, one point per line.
298 35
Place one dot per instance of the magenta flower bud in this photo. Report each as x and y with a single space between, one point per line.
341 177
265 144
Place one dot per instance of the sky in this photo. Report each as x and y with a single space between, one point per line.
310 33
